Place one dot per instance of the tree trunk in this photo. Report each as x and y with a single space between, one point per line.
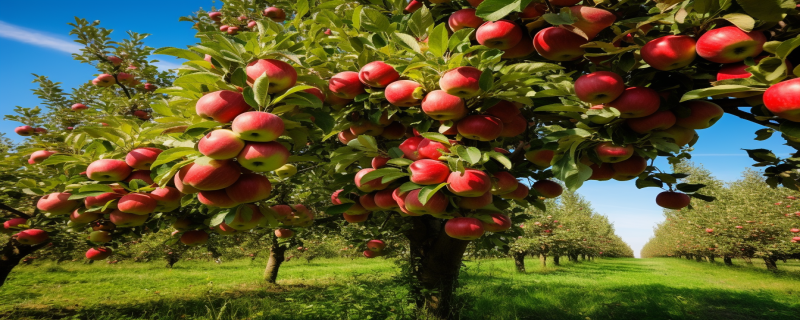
435 260
574 258
711 259
519 261
747 260
698 258
583 257
728 261
277 254
174 256
556 260
688 257
770 262
12 253
543 259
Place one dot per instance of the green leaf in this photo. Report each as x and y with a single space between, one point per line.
560 108
493 10
378 173
766 10
718 90
438 137
408 186
486 82
260 90
323 120
437 41
532 67
688 187
743 21
402 162
239 77
291 91
218 218
764 134
172 154
407 42
58 159
338 209
200 127
790 128
427 192
421 20
180 53
563 17
471 155
395 153
501 158
104 188
369 142
373 20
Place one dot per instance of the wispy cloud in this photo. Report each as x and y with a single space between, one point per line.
37 38
163 65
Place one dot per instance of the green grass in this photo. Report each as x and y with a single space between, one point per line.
363 289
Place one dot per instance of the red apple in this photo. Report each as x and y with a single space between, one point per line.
401 93
142 158
672 200
461 82
178 180
168 198
366 127
783 99
143 175
248 216
437 204
636 102
558 44
430 149
428 172
208 174
533 10
78 107
591 20
216 16
602 172
125 79
376 245
629 169
108 170
281 75
599 87
474 203
221 106
500 223
503 182
284 233
14 222
355 218
346 136
100 200
504 110
480 127
661 120
379 162
541 158
472 183
464 228
275 14
520 193
194 238
32 236
523 49
547 188
413 5
346 85
669 52
384 200
137 203
104 80
98 253
263 156
220 144
57 203
464 18
39 156
232 30
369 186
377 74
440 105
515 127
258 126
501 34
703 114
127 220
677 134
610 153
24 130
250 187
410 148
730 44
367 201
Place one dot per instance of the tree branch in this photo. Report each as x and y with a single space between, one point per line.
550 6
21 214
731 106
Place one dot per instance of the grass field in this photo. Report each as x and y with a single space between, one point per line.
364 289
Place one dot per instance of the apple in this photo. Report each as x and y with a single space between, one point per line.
125 79
379 162
357 209
143 175
480 127
533 10
730 44
258 126
739 227
263 156
232 30
500 223
783 99
504 110
32 236
79 107
472 183
591 20
116 61
142 158
108 170
384 200
602 172
410 148
98 253
464 18
461 82
441 105
629 169
127 220
677 134
558 44
377 74
221 106
547 188
346 85
346 136
150 87
335 197
220 144
401 93
317 93
141 114
57 203
541 158
367 201
137 203
371 254
13 222
503 182
275 14
399 198
355 218
794 230
672 200
376 245
703 114
104 80
610 153
104 225
286 171
250 187
167 198
523 49
372 185
207 174
501 34
474 203
248 216
39 156
437 204
100 200
366 127
284 233
660 120
428 172
669 52
100 236
599 87
464 228
430 149
24 130
216 16
194 238
281 75
475 3
520 193
636 102
515 127
178 180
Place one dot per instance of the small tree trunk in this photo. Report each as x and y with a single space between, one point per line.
173 256
711 259
543 259
556 260
747 260
574 258
277 254
770 262
583 257
12 253
728 261
688 257
519 261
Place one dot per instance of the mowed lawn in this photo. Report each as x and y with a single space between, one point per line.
367 289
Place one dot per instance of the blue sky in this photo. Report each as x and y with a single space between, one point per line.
41 45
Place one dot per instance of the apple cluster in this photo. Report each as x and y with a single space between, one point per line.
244 22
375 248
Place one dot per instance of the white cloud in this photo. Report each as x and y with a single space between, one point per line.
163 65
37 38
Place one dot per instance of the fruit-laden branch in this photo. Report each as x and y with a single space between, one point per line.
731 106
550 6
328 219
518 153
21 214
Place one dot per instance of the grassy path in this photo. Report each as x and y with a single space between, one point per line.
364 289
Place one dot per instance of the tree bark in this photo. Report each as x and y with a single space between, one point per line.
543 259
583 257
13 252
435 260
556 261
728 261
519 261
711 259
277 255
747 260
174 255
770 262
698 258
688 257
